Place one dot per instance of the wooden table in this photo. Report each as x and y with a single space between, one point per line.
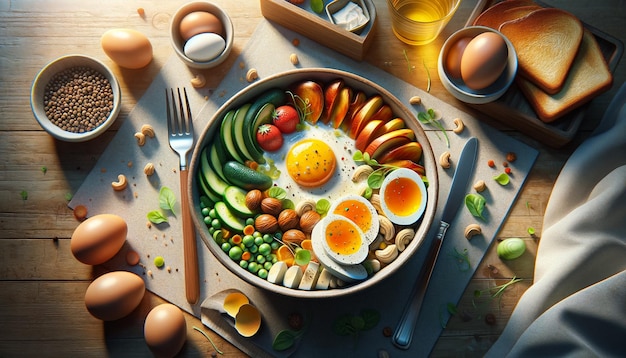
42 286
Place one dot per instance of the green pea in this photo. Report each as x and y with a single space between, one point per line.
268 265
248 240
260 259
253 267
226 247
205 211
205 202
265 249
243 264
215 223
159 261
262 273
275 245
257 234
207 220
278 235
213 214
268 238
258 240
250 221
217 234
235 253
254 249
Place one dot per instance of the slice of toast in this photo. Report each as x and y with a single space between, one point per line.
588 77
546 42
495 15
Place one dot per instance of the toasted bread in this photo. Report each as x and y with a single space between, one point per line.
589 76
495 15
546 42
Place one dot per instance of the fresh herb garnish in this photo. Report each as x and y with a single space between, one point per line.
302 257
496 291
428 76
209 338
430 118
352 325
167 199
502 179
322 206
156 217
475 203
24 195
462 259
285 339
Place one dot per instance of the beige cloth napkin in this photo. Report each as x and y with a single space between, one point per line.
577 304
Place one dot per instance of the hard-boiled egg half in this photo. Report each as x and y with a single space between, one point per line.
360 211
403 196
345 272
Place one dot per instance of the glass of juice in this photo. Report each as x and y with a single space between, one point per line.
419 22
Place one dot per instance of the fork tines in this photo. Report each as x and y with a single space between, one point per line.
179 121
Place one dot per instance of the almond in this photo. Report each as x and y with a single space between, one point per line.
294 236
271 206
253 200
288 219
266 224
308 220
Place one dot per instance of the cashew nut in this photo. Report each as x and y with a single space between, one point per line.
459 126
198 81
377 241
147 130
361 173
372 264
252 75
375 200
415 100
404 237
386 228
304 205
148 169
294 59
120 184
141 138
444 160
472 230
387 255
480 186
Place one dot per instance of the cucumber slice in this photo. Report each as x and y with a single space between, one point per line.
213 181
227 218
235 199
205 189
217 157
245 177
226 133
238 130
263 116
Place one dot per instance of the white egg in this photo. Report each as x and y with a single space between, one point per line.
345 272
403 196
361 212
204 47
339 185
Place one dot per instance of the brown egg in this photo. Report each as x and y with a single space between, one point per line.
114 295
165 330
484 60
97 239
126 47
199 22
453 59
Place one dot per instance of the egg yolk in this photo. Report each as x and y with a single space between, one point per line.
357 212
403 196
311 163
342 237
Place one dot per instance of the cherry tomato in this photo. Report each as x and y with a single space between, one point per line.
286 119
269 137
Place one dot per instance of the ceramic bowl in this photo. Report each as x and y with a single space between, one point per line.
286 80
456 86
48 73
178 42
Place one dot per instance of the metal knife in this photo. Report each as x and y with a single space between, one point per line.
404 331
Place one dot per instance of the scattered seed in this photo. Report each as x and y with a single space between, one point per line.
491 163
511 157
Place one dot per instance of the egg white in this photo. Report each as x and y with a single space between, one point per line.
371 234
339 185
413 217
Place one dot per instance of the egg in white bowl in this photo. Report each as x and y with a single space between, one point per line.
345 272
403 196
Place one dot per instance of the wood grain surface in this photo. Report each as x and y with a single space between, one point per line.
42 286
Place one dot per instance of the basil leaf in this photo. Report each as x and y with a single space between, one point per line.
475 203
167 199
302 257
284 340
317 6
502 179
322 206
370 318
156 217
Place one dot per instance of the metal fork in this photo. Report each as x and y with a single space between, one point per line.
180 135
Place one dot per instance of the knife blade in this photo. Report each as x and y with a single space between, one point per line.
403 334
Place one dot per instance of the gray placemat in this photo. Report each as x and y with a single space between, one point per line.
268 51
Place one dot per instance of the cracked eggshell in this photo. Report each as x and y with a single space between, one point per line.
347 273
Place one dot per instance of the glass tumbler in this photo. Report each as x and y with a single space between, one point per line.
419 22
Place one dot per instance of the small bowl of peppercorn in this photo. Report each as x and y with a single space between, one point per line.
75 98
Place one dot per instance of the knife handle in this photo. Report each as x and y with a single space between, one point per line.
404 331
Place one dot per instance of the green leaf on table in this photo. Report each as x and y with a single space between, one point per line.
317 6
156 217
370 318
167 199
502 179
475 203
284 340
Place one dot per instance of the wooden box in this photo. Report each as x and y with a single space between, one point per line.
317 27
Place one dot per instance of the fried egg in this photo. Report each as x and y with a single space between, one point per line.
303 165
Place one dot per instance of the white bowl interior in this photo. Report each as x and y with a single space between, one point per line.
48 72
322 76
178 43
457 87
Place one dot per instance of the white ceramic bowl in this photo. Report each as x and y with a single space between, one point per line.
456 86
285 80
48 72
177 40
